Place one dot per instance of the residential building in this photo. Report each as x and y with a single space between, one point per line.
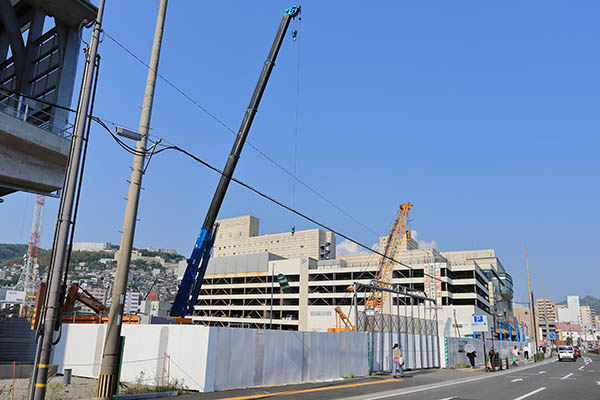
132 303
545 308
588 317
239 236
160 250
91 246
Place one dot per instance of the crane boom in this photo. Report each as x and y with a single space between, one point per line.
385 271
189 288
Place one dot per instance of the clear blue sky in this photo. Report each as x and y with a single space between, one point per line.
484 115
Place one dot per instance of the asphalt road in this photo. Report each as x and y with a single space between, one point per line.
549 381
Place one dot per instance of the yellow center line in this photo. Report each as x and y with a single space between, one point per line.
258 396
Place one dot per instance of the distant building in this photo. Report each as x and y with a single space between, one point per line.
572 312
132 303
160 250
545 308
523 316
239 236
91 246
11 297
588 319
155 308
569 330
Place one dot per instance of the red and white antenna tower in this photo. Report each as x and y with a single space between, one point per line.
30 275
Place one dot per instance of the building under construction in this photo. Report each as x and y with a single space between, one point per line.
243 290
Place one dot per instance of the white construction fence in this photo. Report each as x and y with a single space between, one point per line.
211 358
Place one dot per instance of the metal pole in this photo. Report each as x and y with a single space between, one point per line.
355 309
398 321
272 289
531 305
65 214
109 371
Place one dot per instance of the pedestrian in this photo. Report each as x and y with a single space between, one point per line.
492 360
526 351
398 363
515 356
472 356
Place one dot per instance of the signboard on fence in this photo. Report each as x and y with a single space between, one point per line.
479 323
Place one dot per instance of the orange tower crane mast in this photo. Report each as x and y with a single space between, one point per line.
385 270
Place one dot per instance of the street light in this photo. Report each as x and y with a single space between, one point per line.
128 133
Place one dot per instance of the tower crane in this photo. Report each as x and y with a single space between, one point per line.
385 270
189 288
29 275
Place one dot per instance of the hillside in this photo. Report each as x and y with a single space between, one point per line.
591 301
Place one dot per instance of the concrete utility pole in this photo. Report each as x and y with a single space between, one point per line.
111 357
531 305
65 215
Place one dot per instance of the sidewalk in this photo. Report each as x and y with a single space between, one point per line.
349 387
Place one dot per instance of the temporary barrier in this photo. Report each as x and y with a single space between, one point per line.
219 358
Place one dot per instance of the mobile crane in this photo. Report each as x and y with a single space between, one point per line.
189 288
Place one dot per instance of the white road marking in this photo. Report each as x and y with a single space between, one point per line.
566 376
582 367
517 380
542 372
597 382
530 393
449 398
423 389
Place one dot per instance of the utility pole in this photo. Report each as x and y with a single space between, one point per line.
531 306
111 357
65 214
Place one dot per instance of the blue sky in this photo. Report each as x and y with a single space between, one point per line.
485 116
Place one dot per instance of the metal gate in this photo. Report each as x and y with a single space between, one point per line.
413 327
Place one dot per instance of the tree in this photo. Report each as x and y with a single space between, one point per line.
569 341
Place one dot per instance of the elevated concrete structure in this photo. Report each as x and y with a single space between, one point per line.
39 48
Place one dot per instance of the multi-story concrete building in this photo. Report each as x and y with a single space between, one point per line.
545 308
499 286
91 246
588 316
523 316
237 288
239 236
570 313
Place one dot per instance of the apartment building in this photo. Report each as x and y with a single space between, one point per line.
91 246
545 308
588 317
240 236
241 290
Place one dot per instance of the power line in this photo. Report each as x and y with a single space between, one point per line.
279 203
227 127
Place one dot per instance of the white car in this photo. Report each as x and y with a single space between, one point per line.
566 353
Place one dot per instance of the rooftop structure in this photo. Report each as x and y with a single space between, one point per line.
239 236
